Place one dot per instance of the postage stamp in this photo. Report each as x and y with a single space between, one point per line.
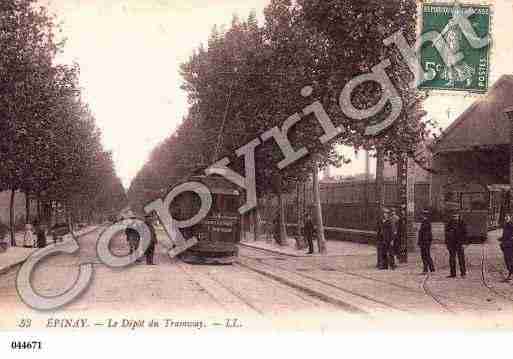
470 72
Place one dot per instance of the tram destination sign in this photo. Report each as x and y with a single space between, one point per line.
469 71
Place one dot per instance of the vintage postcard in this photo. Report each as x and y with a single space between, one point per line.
254 166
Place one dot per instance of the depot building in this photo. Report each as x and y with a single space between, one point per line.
472 160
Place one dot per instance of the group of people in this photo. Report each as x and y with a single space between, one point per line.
390 231
35 235
388 235
133 238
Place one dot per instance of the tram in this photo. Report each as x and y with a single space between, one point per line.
481 207
220 231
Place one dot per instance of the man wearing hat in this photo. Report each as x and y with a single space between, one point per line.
384 238
133 238
40 234
507 245
309 233
455 237
148 219
396 232
425 238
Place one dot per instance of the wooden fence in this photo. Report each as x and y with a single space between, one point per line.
350 205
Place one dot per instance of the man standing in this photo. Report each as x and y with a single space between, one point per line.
384 241
133 238
424 242
455 237
309 231
40 235
394 246
507 245
150 252
277 230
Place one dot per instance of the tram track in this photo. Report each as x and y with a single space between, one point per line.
217 291
338 288
436 298
425 289
484 279
236 293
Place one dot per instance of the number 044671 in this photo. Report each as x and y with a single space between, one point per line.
26 345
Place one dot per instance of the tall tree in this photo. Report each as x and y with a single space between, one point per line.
50 145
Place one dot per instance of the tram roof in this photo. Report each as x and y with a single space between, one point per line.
217 184
483 124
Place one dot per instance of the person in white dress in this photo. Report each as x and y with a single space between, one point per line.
29 239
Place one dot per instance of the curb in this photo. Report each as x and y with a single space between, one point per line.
9 267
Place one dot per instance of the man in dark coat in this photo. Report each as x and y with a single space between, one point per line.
424 241
507 245
394 219
40 235
277 230
384 238
309 231
150 252
455 237
133 238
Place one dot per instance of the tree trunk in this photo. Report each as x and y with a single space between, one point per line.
67 215
368 225
410 207
298 210
380 182
12 219
306 207
256 222
380 197
52 218
300 241
27 208
281 204
321 240
38 207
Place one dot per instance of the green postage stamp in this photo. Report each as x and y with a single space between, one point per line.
470 72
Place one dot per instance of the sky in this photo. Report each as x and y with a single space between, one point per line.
129 52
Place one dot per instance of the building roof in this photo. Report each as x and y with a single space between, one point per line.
483 124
